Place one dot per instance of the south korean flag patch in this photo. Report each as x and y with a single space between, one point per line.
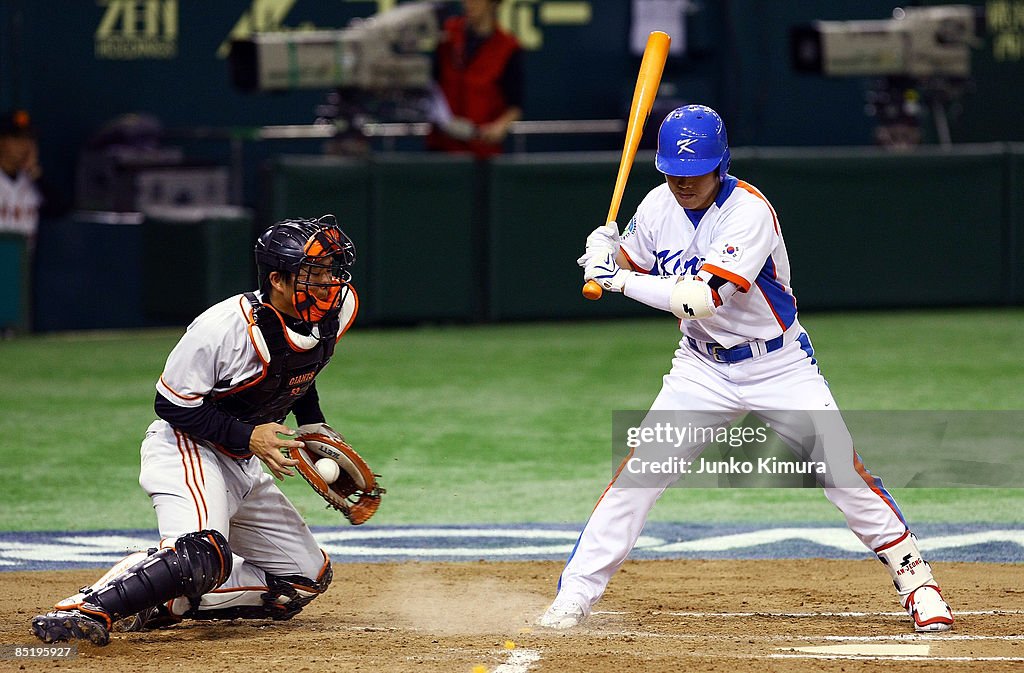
730 251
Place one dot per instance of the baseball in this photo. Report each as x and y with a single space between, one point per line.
328 469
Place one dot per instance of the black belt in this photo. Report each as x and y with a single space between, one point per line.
739 353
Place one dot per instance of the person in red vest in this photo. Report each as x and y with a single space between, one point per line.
479 69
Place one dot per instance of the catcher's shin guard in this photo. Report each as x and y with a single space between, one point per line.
197 563
918 590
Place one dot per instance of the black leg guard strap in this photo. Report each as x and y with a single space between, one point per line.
285 597
199 562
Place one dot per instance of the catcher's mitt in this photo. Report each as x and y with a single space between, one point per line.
355 493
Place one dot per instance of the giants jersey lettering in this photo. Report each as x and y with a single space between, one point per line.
221 350
737 238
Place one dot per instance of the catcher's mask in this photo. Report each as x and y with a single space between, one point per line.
317 254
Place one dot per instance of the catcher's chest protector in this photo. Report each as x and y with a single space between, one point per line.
289 374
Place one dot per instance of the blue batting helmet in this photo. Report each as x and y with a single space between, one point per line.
692 141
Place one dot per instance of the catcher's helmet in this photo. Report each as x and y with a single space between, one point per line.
317 253
691 142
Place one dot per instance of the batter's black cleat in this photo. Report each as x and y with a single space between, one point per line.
63 625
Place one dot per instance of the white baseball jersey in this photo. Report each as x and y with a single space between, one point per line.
221 349
19 204
737 238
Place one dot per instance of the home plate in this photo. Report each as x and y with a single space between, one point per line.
867 650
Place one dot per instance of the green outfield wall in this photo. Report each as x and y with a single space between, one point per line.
311 186
1015 222
207 245
14 274
443 239
426 257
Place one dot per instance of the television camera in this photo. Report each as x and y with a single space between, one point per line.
920 60
376 69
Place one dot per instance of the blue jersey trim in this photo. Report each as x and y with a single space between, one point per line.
728 185
782 302
695 215
805 345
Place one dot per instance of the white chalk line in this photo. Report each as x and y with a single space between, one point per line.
729 615
903 637
894 657
935 637
915 637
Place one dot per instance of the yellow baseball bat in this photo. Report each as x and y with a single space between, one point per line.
647 82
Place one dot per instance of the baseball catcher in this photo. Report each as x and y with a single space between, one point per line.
231 544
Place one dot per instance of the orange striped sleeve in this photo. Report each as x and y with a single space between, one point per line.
187 398
740 281
753 190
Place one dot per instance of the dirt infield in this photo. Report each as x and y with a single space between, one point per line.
723 616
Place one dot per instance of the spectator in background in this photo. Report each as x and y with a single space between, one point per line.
20 196
479 69
24 195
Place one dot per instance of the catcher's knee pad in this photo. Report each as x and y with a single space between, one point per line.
206 558
197 563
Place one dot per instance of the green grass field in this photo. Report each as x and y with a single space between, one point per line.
487 424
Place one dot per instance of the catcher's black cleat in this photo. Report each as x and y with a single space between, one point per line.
64 625
148 620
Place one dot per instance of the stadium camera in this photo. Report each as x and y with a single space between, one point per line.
389 51
920 62
916 42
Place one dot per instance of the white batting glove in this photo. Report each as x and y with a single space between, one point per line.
606 273
600 242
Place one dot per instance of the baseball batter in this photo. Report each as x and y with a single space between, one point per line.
231 544
708 248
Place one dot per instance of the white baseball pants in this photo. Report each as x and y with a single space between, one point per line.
786 379
195 487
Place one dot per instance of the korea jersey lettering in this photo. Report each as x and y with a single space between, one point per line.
737 238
